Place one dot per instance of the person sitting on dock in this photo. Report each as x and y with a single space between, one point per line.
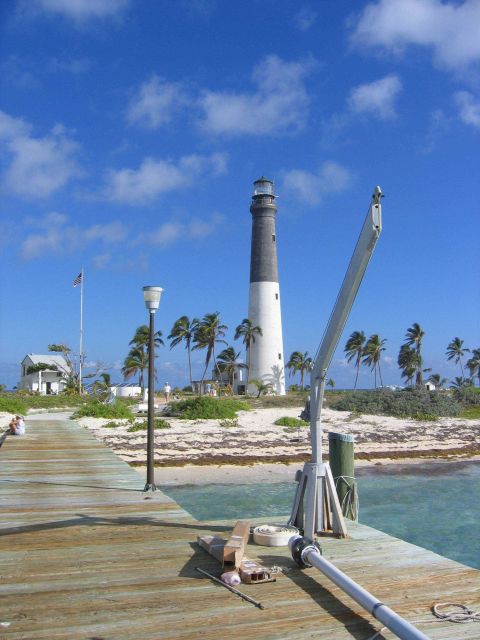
17 426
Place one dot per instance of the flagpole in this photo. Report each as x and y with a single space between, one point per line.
81 334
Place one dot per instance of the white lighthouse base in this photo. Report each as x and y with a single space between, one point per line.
266 353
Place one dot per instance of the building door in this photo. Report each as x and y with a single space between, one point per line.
48 388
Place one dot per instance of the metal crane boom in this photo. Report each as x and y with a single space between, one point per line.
353 277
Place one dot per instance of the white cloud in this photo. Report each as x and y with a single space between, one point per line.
79 10
450 29
38 166
11 128
311 187
155 177
305 18
279 104
58 237
169 232
469 108
155 103
376 97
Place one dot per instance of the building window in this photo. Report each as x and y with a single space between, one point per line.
276 296
273 237
279 356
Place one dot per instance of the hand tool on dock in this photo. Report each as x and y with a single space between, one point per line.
232 589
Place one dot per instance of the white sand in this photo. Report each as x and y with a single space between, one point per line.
257 439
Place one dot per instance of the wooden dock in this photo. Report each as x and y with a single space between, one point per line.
85 554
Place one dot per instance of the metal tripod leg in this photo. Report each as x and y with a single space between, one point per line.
315 498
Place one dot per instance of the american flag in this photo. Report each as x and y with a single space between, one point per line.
78 279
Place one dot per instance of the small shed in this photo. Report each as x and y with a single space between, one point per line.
45 374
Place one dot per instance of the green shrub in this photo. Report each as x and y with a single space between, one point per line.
467 395
293 423
13 405
95 409
471 413
158 423
205 407
404 403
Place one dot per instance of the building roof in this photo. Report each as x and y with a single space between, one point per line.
56 360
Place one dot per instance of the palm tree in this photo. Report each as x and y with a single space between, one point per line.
408 362
354 349
437 380
372 354
227 362
207 333
331 383
137 358
473 364
102 387
414 337
248 331
142 337
262 387
456 351
183 331
136 362
460 382
300 362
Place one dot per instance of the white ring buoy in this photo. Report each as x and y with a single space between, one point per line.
273 535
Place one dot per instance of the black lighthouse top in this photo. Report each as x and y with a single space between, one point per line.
263 260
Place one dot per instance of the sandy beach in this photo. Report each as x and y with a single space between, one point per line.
256 439
255 449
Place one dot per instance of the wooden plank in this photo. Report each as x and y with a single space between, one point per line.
84 554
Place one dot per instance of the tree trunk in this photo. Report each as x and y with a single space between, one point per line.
356 377
190 366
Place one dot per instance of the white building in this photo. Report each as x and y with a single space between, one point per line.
34 377
126 390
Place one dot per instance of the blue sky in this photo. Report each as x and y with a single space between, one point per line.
131 134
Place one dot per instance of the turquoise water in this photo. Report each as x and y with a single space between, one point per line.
435 506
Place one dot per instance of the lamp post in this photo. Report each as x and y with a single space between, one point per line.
151 296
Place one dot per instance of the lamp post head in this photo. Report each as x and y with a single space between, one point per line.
151 296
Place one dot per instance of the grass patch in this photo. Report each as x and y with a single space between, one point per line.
158 423
114 425
293 423
63 400
425 417
292 399
471 413
96 409
13 405
228 424
205 408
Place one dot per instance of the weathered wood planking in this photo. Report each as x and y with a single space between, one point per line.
84 554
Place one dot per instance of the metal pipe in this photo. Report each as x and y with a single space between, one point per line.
150 486
307 554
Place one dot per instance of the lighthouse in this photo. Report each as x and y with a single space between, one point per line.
266 353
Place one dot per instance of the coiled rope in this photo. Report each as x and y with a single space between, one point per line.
460 612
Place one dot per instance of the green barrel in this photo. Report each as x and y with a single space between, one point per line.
342 464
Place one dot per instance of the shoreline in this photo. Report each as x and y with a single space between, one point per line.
271 473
